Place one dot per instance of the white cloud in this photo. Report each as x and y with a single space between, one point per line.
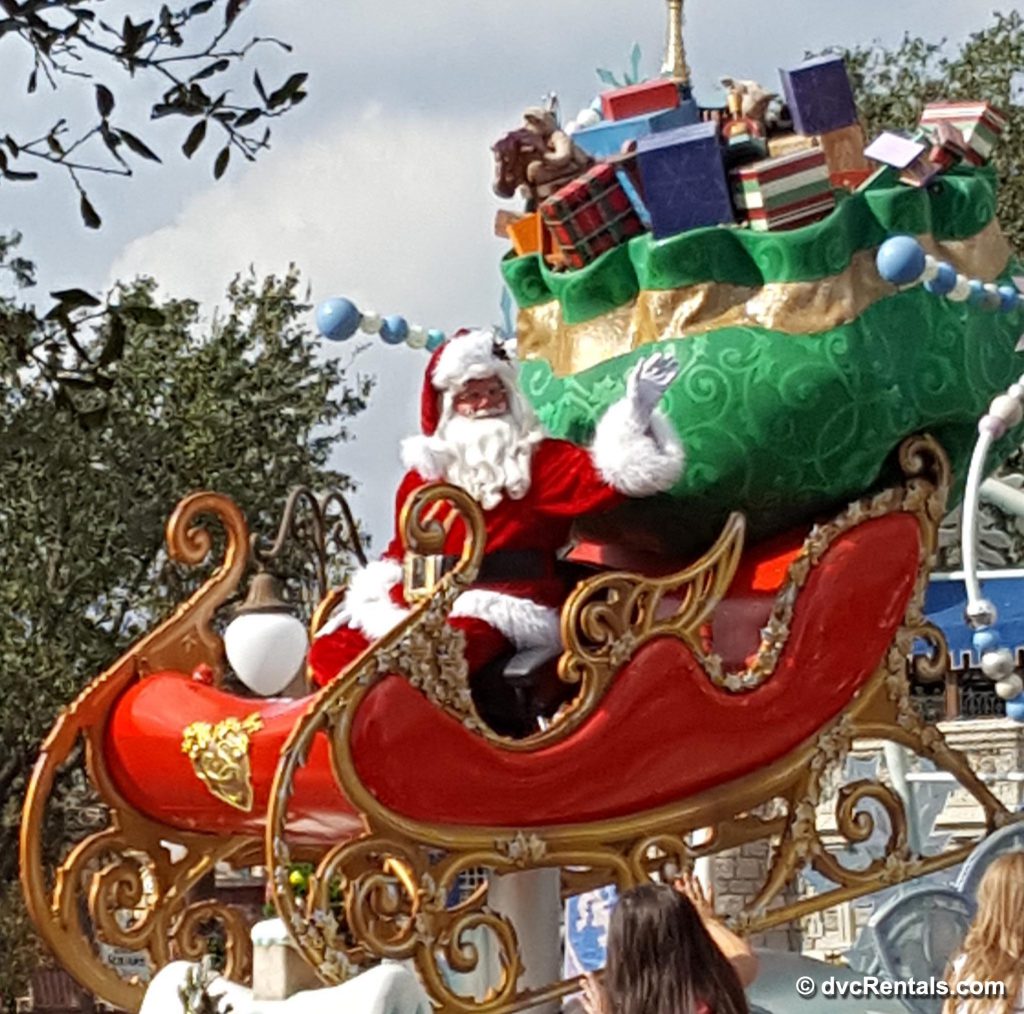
392 213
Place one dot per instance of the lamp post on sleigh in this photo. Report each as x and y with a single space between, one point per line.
266 642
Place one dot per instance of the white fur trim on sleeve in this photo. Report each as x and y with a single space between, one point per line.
525 623
367 604
426 455
635 459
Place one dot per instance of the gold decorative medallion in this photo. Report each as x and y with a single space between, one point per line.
220 757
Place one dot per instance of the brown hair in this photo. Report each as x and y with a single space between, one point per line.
994 947
661 959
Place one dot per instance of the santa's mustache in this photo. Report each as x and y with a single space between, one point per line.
490 455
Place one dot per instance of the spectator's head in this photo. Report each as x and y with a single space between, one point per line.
661 959
994 946
1001 898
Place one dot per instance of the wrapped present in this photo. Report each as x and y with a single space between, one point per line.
980 123
609 136
949 146
628 184
684 179
784 192
638 99
849 179
895 150
819 95
844 149
943 149
922 157
784 144
590 216
529 235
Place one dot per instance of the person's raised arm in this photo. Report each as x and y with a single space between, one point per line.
734 947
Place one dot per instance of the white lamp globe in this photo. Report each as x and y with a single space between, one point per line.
266 645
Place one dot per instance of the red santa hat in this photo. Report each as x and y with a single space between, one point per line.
468 355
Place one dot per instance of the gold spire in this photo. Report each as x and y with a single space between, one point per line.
675 52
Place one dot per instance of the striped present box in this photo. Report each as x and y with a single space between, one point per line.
946 148
979 122
784 192
590 215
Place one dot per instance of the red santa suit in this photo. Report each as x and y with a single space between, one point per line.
529 506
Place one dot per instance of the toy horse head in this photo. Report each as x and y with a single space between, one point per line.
512 154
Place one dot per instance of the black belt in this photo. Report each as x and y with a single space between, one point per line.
510 565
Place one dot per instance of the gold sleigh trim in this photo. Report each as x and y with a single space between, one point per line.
220 757
796 308
380 916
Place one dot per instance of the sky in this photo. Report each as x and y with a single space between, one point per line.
378 185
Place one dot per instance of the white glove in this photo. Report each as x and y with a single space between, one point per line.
648 381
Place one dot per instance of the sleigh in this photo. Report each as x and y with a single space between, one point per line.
670 747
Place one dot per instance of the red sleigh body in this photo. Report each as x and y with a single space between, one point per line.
671 731
712 706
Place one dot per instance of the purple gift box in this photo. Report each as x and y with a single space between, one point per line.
819 95
684 180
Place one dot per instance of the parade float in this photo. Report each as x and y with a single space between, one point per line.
840 325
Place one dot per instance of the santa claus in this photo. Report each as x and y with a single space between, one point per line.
481 435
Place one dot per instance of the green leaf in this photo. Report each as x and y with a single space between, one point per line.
194 139
72 299
113 347
138 147
89 214
144 315
161 109
287 90
221 163
259 86
233 9
104 100
217 67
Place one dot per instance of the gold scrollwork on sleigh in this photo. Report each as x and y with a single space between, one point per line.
608 619
121 885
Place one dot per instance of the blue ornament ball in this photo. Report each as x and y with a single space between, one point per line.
978 294
986 639
338 319
944 280
1015 708
1009 297
394 329
435 339
900 260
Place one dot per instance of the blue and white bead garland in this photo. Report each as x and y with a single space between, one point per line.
901 260
997 662
338 319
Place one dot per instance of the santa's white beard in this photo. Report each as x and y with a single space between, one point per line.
490 456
